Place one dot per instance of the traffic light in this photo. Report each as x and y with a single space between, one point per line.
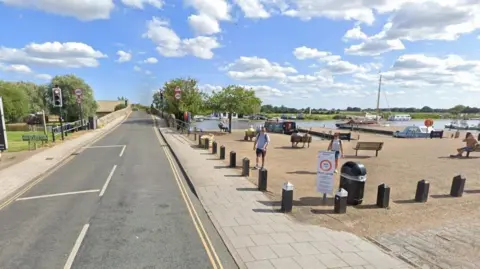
57 97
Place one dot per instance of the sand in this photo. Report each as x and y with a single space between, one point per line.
401 164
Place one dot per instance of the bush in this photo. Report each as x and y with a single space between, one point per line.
120 107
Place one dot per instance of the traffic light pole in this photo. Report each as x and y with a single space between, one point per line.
61 122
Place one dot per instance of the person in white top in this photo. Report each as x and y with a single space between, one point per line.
260 146
336 146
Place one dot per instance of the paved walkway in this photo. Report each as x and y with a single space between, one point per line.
18 175
256 235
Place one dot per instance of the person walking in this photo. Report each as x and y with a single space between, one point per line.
260 146
336 146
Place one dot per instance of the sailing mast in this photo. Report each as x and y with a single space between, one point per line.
378 97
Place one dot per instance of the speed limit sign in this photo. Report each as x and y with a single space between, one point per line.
78 92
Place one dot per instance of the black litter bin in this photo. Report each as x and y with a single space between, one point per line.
352 179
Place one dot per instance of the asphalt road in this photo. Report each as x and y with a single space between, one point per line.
132 214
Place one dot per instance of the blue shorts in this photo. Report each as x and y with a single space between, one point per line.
337 154
467 149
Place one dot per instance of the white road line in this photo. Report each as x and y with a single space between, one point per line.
76 247
110 146
108 181
55 195
123 150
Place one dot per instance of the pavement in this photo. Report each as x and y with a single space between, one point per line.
257 235
120 202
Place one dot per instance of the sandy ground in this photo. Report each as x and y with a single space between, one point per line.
401 164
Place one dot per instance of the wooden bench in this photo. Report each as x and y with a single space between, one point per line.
476 149
373 146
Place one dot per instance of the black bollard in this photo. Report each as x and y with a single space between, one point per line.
207 144
458 185
340 204
383 196
245 167
233 159
262 179
287 197
194 136
423 187
222 152
199 140
214 147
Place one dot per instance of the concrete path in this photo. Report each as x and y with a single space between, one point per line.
120 203
255 234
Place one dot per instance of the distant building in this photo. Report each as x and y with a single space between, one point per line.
107 107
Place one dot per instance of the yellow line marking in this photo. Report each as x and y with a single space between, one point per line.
58 166
207 244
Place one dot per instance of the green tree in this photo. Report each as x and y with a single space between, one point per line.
234 99
36 96
15 101
192 100
68 84
120 106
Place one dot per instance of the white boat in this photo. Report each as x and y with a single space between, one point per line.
223 115
462 125
198 118
400 117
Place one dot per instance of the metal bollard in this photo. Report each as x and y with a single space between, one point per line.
214 147
222 152
199 140
207 144
287 197
194 136
262 179
340 204
245 167
383 196
233 159
423 187
458 185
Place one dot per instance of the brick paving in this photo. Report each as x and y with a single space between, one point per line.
18 175
256 234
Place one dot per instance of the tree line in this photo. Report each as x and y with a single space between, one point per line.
21 99
458 109
230 99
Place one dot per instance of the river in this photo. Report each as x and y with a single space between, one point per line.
212 125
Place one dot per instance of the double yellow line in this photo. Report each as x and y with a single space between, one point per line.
51 171
207 244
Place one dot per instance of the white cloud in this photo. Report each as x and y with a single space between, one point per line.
44 77
209 13
204 24
85 10
253 9
169 43
355 34
140 4
262 91
148 72
374 46
208 88
151 60
53 54
333 63
16 68
137 69
255 68
123 56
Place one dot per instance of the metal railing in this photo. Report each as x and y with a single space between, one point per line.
69 127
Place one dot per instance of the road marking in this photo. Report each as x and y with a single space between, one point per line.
110 146
108 181
58 166
76 247
206 242
123 150
55 195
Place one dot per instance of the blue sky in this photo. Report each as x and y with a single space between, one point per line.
298 53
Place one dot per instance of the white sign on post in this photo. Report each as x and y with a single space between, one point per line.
325 170
78 92
3 130
178 93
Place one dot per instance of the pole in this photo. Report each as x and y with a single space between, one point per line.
44 122
61 123
378 97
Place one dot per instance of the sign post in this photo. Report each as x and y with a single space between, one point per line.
3 130
79 95
325 170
